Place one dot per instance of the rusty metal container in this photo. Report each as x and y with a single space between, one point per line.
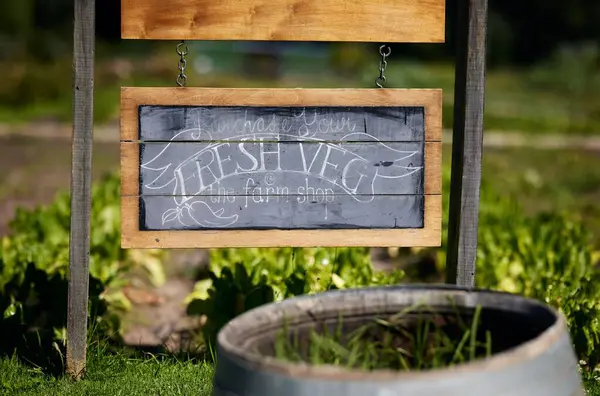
533 356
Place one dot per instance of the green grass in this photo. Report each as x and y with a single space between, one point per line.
112 374
119 375
416 338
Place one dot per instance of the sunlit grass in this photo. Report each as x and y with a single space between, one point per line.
110 373
416 338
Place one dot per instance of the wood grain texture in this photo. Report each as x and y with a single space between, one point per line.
132 237
81 179
130 169
467 147
133 97
432 185
285 20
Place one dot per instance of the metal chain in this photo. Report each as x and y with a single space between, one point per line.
182 51
384 51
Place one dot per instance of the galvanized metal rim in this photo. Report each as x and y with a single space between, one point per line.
527 351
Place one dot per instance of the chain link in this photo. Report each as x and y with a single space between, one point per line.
384 51
182 51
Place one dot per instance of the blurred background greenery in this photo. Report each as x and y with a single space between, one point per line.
543 61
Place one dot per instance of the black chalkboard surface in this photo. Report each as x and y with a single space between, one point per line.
280 167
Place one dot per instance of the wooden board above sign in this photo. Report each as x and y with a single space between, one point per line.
204 167
285 20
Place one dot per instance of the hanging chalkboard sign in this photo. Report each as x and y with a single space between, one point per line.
242 167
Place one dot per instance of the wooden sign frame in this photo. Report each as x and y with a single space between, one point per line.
133 237
409 21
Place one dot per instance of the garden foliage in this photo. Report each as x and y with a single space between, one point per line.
34 262
242 279
548 257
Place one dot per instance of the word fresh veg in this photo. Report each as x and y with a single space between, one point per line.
350 167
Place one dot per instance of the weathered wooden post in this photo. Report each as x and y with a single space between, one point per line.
81 175
467 142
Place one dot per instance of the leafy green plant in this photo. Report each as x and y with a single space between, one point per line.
547 257
241 279
34 263
492 205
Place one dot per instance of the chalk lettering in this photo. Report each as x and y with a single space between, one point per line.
246 159
276 153
345 175
200 170
252 158
326 162
307 169
221 161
